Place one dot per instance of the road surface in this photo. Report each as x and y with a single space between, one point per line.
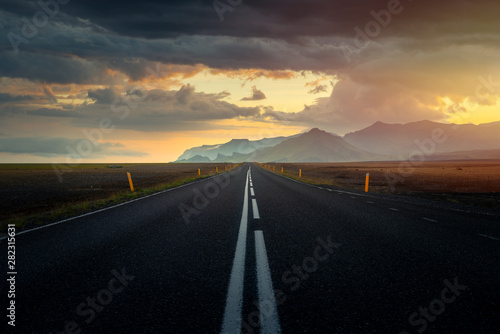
206 257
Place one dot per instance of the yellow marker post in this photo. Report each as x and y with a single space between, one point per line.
199 172
216 169
367 181
273 168
281 170
130 181
300 172
225 168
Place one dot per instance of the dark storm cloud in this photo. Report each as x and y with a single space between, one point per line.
50 68
286 19
425 50
129 36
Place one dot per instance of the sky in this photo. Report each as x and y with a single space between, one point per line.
142 81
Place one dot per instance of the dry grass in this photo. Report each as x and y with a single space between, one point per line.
468 182
32 193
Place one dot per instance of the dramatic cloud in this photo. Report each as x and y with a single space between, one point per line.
388 60
5 98
256 95
102 96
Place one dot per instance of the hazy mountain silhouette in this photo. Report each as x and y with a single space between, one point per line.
380 141
402 139
196 158
314 146
242 146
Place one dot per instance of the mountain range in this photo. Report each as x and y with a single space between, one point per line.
378 142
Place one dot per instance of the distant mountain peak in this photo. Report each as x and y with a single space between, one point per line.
238 141
316 131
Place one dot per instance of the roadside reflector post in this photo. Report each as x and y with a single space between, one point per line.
216 169
300 172
130 181
225 168
273 168
367 182
199 172
281 170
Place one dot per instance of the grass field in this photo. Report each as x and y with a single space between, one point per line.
471 182
33 194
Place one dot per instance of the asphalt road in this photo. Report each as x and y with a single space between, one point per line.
206 257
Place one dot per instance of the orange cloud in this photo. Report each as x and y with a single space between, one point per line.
253 74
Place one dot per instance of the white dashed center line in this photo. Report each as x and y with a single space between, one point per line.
234 300
255 209
269 319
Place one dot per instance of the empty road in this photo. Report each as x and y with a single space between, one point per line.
206 257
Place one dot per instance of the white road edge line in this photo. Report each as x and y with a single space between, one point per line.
269 319
370 196
252 192
234 299
255 209
430 220
109 208
489 237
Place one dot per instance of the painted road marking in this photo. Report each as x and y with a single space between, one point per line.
110 207
255 209
252 192
269 319
234 300
393 209
369 202
430 220
489 237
